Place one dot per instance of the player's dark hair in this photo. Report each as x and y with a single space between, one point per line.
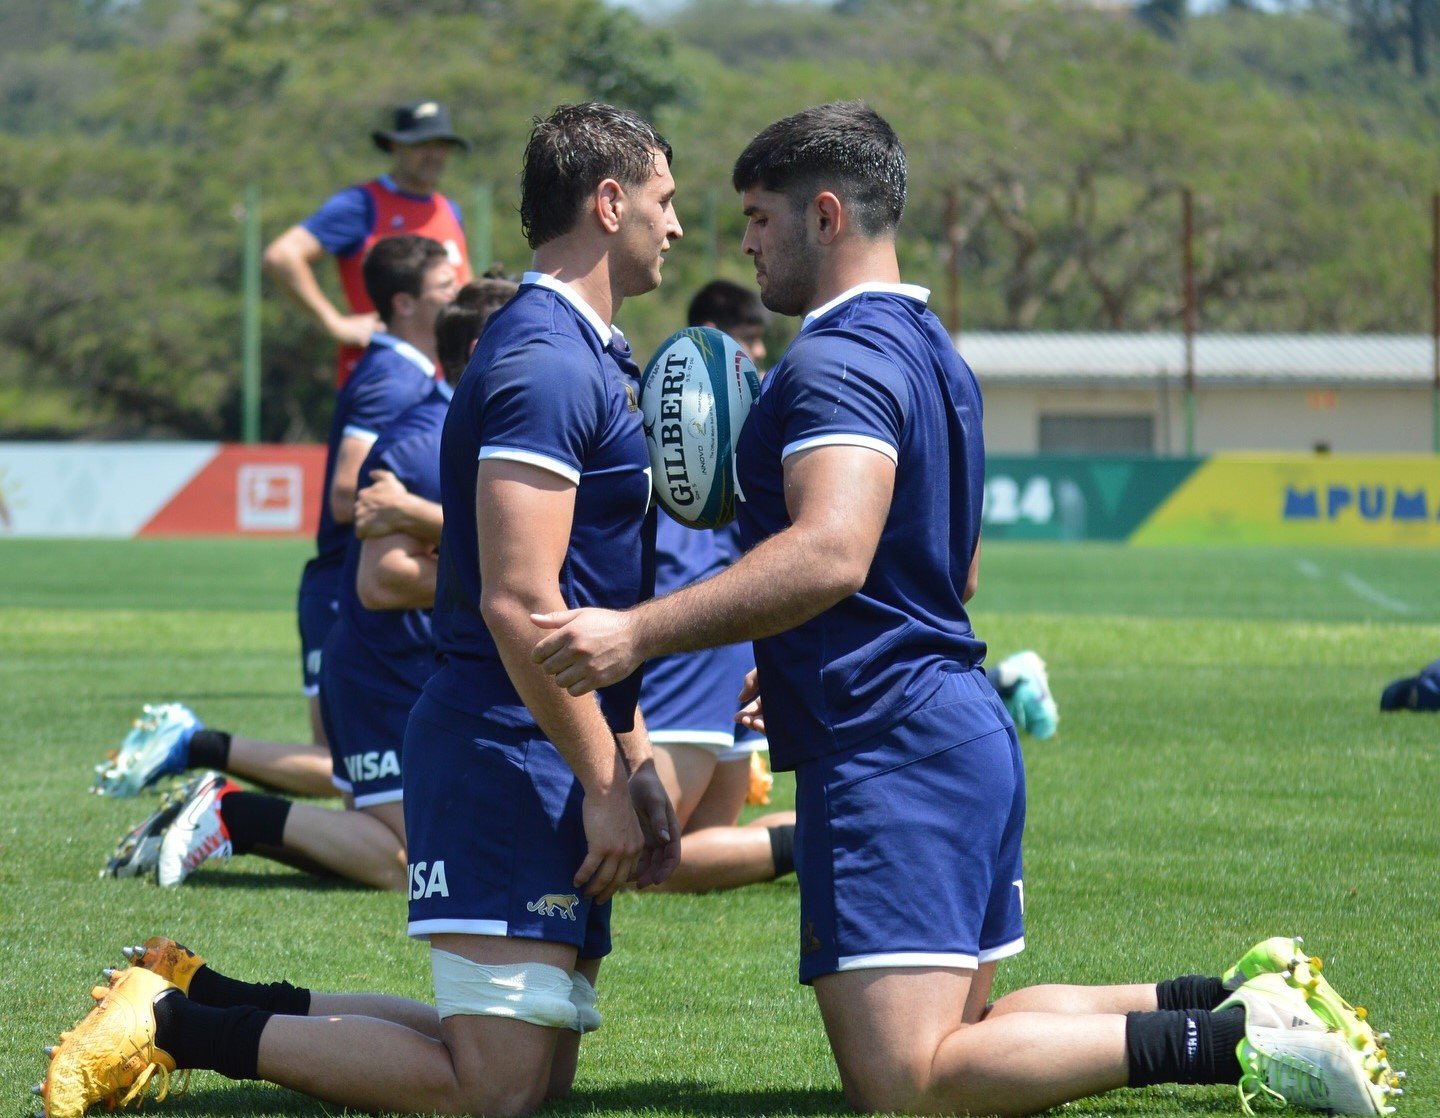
459 324
727 305
845 147
396 266
570 153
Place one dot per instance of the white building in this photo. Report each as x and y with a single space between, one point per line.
1125 393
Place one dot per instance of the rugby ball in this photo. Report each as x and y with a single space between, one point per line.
694 396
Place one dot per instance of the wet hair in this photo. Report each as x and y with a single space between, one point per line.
458 325
397 265
845 147
570 153
727 305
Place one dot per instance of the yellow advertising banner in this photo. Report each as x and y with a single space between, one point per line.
1303 499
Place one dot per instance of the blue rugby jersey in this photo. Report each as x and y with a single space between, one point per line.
872 368
394 647
391 376
549 385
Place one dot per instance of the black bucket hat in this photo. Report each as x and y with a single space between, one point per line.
418 122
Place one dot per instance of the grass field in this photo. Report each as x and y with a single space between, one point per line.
1221 774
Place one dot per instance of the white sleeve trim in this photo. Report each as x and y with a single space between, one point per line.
842 438
531 458
363 433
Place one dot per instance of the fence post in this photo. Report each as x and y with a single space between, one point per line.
250 345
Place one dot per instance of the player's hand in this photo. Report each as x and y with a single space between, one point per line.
659 824
613 842
590 648
378 507
354 329
751 714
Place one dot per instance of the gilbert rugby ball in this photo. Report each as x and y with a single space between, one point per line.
694 396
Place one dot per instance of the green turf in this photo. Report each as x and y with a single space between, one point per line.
1221 774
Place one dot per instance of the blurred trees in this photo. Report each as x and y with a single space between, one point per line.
128 131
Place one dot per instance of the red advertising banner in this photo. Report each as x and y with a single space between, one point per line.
247 491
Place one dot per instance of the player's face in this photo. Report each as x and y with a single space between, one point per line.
787 264
418 167
648 225
751 337
437 291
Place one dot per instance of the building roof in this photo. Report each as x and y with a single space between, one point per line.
1021 358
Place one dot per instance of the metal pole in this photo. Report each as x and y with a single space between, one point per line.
482 247
1187 236
952 262
1435 322
250 346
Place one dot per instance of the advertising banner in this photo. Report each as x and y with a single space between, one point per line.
1076 496
1303 499
96 490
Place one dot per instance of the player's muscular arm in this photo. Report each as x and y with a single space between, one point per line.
290 261
396 572
838 498
385 506
349 457
527 514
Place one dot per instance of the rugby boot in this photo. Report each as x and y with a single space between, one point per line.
1290 1055
1026 687
198 833
1282 955
158 745
138 852
172 961
110 1056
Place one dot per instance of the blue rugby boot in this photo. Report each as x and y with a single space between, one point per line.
158 745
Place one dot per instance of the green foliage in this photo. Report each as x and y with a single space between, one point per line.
1056 137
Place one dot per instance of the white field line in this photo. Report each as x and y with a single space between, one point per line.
1364 590
1307 568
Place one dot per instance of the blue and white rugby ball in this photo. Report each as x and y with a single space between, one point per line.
694 396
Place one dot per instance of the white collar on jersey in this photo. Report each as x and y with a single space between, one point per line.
909 290
571 296
405 350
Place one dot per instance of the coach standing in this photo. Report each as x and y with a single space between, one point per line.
403 201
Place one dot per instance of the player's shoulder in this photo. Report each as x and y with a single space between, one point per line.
537 333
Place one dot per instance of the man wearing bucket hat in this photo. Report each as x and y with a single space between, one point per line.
403 201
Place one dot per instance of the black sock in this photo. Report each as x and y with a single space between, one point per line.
200 1036
254 819
1183 1046
782 848
209 749
1190 991
209 987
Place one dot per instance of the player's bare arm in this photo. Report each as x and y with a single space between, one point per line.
396 571
972 579
349 457
527 513
290 261
838 498
652 807
385 506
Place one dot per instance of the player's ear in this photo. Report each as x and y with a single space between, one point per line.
402 304
829 216
609 202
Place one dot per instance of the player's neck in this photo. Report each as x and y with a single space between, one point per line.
407 185
862 261
585 268
423 340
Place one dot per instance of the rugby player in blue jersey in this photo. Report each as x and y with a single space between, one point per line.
862 468
526 809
